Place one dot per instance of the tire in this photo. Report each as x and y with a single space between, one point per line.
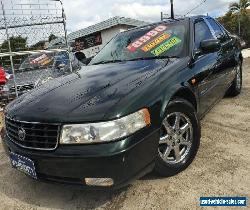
166 165
236 86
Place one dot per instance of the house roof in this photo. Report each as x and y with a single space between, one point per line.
98 27
105 25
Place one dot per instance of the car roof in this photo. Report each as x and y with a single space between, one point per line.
170 20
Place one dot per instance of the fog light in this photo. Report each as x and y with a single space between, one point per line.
102 182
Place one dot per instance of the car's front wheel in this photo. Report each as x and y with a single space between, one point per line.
179 138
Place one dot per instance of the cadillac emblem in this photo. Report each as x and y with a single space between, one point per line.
21 134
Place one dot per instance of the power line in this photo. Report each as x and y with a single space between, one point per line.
196 7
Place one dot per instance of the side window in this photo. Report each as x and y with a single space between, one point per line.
225 32
201 32
219 33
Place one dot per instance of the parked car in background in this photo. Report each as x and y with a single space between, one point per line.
39 68
3 78
135 108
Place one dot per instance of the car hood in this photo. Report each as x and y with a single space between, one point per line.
86 95
29 77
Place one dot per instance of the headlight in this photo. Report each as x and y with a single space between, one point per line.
105 131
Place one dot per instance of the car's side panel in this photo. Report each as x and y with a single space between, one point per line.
207 79
234 56
183 88
207 68
225 56
214 72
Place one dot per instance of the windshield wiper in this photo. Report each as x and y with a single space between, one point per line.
136 59
153 58
110 61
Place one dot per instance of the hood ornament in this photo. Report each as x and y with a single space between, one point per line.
21 134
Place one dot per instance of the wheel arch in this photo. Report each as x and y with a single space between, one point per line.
185 93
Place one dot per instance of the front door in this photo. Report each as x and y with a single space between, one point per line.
206 68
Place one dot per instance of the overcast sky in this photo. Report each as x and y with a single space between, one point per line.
82 13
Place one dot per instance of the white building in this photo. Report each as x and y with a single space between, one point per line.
90 40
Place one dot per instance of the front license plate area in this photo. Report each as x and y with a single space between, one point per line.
23 164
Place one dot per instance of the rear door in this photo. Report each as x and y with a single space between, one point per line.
226 56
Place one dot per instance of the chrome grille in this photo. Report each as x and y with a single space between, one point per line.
36 135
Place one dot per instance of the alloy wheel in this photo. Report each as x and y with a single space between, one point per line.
176 138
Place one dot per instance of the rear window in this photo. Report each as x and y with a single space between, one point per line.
37 61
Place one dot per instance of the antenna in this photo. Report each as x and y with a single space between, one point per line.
172 9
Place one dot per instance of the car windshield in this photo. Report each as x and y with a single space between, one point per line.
37 61
150 42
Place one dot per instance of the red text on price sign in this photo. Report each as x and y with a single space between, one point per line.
147 37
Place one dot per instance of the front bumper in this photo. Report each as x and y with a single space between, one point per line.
123 161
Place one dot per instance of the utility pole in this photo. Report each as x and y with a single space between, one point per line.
172 9
239 19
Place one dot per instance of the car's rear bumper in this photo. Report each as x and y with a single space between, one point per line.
123 161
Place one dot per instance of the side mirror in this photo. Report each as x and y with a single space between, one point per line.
82 58
243 44
210 46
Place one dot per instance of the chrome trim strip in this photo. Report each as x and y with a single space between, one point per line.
59 124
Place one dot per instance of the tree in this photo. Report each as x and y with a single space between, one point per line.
238 14
229 21
17 43
38 46
240 9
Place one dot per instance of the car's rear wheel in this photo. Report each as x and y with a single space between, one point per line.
179 138
236 86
